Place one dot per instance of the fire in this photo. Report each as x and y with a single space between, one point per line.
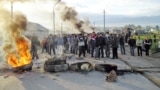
23 56
15 46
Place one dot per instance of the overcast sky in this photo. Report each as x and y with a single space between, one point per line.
118 12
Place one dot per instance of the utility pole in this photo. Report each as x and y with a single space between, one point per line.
104 20
61 28
11 11
54 22
94 24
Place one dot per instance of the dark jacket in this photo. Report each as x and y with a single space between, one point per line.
97 42
107 40
92 42
115 42
147 44
122 40
132 42
101 41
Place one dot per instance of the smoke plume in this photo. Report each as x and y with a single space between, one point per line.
11 29
69 14
16 0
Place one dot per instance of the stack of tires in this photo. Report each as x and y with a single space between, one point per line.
56 65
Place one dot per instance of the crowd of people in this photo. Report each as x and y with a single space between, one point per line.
97 45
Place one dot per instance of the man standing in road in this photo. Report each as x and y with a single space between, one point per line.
132 44
107 44
147 44
122 44
34 44
92 43
139 44
101 45
81 44
115 42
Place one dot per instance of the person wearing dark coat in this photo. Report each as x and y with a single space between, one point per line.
147 44
122 44
92 43
115 43
132 44
101 46
107 44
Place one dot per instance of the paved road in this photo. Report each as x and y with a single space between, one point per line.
92 81
149 66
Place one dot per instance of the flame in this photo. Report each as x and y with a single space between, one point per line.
24 56
15 46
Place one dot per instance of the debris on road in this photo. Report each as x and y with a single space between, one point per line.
111 77
6 76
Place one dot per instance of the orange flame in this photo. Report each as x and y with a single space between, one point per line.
24 56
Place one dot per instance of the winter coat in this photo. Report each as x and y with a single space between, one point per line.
115 42
147 44
107 40
132 42
122 40
101 41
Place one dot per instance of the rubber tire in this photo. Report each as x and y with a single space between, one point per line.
27 67
106 67
52 68
55 62
78 66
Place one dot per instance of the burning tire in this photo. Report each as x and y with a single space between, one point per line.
81 66
106 67
27 67
55 65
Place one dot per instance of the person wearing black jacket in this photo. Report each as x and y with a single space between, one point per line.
107 44
122 44
132 44
101 42
147 44
115 42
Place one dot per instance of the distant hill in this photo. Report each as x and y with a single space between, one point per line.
37 29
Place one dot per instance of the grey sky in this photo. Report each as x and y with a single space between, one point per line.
117 11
